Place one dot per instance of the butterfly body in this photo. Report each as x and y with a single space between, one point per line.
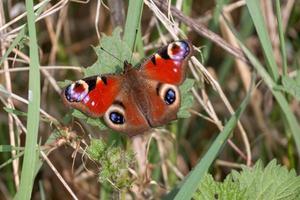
139 98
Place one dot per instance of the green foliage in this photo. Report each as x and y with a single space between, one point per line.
271 183
187 99
210 189
114 161
14 111
92 121
30 154
64 83
291 86
110 60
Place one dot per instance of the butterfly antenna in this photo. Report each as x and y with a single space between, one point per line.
134 42
111 54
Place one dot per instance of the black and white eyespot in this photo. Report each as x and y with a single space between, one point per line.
178 50
169 94
115 116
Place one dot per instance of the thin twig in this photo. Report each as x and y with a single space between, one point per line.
21 69
21 99
15 162
58 175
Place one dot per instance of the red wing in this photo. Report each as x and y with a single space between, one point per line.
92 95
168 65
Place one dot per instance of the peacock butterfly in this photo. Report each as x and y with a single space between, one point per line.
139 98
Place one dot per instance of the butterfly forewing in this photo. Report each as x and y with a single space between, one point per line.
168 65
93 95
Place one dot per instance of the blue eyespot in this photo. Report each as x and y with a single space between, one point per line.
170 97
116 118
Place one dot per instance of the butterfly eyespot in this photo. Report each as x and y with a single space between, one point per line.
116 118
77 91
178 50
170 96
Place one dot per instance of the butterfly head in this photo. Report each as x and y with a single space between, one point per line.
127 66
179 50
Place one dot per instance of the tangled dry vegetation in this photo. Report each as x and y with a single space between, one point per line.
72 164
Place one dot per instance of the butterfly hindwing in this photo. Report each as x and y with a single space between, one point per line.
125 115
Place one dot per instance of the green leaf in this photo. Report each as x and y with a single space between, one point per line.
187 99
14 111
271 183
92 121
210 189
114 162
133 20
263 35
78 114
274 182
110 60
96 149
32 125
9 148
280 98
10 160
64 83
190 184
187 85
290 86
96 122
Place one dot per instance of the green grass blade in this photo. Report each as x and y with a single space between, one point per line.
282 102
192 181
15 42
291 119
9 148
281 38
134 13
30 153
260 26
140 44
9 161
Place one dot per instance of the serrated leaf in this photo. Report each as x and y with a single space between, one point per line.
187 85
92 121
111 59
96 122
114 163
291 86
210 189
78 114
187 98
183 113
96 149
274 182
271 183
